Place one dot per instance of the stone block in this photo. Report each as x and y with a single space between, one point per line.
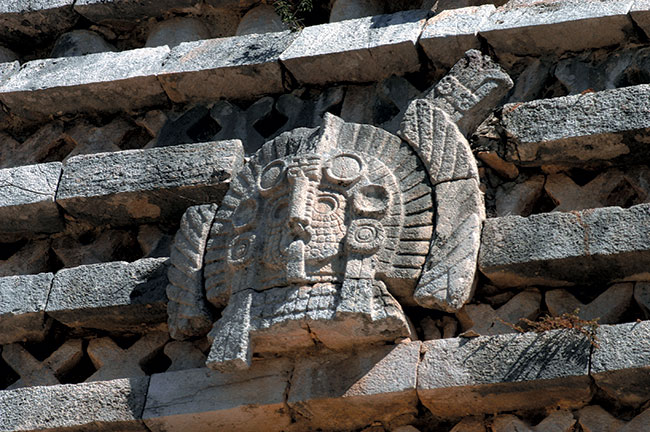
607 308
27 199
147 185
102 406
595 419
103 82
46 144
78 43
90 248
559 249
640 14
451 32
203 400
115 296
519 198
32 258
260 19
620 365
487 374
174 31
22 306
605 128
348 391
358 50
127 12
240 67
642 296
34 21
531 27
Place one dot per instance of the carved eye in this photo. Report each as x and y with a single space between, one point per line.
344 169
272 175
240 250
365 236
280 212
326 204
371 200
245 214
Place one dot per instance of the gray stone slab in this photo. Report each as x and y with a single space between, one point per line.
148 185
103 82
100 406
22 307
529 27
488 374
8 69
451 32
359 50
30 21
226 68
640 13
27 199
621 364
611 126
116 296
203 400
111 11
377 384
608 244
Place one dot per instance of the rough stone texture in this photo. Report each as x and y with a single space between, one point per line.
112 361
237 67
102 406
184 355
22 306
640 13
260 19
482 319
32 258
7 55
115 296
362 388
237 123
642 296
202 400
127 13
32 21
27 199
488 374
532 81
88 138
109 245
595 419
308 112
450 33
174 31
532 27
350 9
147 185
557 249
519 198
603 127
78 43
470 424
359 50
619 365
121 81
47 143
607 307
558 421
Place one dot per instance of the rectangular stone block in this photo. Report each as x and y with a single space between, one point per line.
358 50
620 365
128 10
33 21
148 185
607 127
116 296
27 199
22 307
377 384
204 400
607 245
103 82
460 377
450 33
640 13
100 406
235 67
531 27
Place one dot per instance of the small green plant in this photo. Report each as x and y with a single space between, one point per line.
292 12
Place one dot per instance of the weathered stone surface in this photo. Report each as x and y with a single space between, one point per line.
530 27
154 242
7 55
121 81
260 19
27 199
519 198
48 143
558 421
640 13
35 373
595 419
78 43
22 306
101 406
607 307
470 424
88 138
174 31
450 33
484 320
236 67
642 296
115 296
112 361
448 280
639 423
184 355
202 400
349 391
350 9
359 50
531 81
32 258
555 249
563 131
32 21
127 12
240 124
191 126
619 365
308 112
487 374
147 185
109 245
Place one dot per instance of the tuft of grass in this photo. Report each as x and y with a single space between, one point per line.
292 12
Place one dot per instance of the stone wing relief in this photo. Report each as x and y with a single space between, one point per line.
324 233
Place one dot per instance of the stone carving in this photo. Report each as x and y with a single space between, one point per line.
323 234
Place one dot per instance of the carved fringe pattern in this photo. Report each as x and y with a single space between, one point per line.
187 309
